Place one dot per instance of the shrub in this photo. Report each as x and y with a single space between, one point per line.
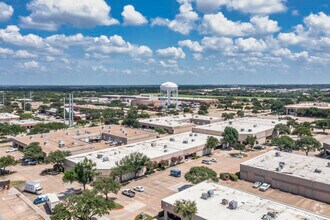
233 176
224 176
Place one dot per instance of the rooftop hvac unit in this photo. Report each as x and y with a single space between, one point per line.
46 143
109 130
232 204
31 137
210 192
277 154
242 129
67 133
165 150
78 132
224 201
272 214
273 122
192 140
205 196
73 142
211 118
102 127
105 159
195 135
165 146
250 130
153 144
185 141
230 122
172 139
317 171
99 156
191 134
42 135
328 164
255 126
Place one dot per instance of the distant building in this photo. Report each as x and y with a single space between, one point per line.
7 117
292 109
215 201
260 128
293 173
29 123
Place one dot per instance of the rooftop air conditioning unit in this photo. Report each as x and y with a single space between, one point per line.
31 137
42 135
273 122
185 141
102 127
195 135
105 159
46 143
172 139
210 192
153 144
317 171
232 204
165 146
328 164
230 123
191 134
255 126
165 150
224 201
205 196
272 214
250 130
192 140
277 154
99 156
242 129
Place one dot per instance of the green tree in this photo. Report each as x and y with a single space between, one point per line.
7 129
199 174
82 122
161 130
228 116
106 185
34 151
83 207
25 116
230 135
185 208
240 147
240 113
131 118
186 110
83 173
7 161
302 131
57 158
212 142
308 144
282 129
322 124
135 162
250 140
283 142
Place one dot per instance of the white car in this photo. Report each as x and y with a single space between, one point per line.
214 160
257 184
11 149
238 156
139 188
206 162
264 187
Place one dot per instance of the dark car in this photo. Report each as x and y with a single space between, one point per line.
32 162
128 192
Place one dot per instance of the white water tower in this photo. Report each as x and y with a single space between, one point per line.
168 91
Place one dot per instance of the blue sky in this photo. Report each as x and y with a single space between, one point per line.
122 42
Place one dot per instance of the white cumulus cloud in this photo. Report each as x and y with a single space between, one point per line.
50 14
172 53
6 11
133 17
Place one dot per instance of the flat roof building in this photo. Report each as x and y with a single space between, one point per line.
28 123
178 123
7 117
158 149
292 109
215 201
261 128
79 140
297 174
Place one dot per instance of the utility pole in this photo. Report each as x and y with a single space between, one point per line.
64 115
3 98
24 103
71 115
30 101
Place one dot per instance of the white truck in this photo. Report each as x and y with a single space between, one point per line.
33 187
52 201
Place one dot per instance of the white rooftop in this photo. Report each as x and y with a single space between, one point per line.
249 207
154 148
23 122
8 116
295 165
244 125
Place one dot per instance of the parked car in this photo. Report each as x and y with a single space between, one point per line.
288 150
139 188
32 162
206 162
257 184
238 155
214 160
11 149
40 199
259 147
176 173
128 192
264 187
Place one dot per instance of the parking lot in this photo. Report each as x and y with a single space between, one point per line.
160 185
